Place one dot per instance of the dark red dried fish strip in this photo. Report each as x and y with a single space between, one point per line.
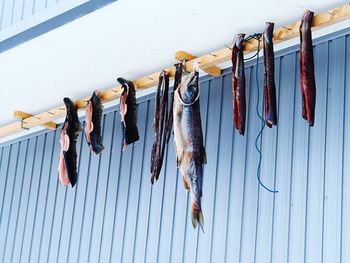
269 77
161 117
238 84
307 74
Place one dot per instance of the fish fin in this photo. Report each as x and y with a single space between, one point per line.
204 155
98 149
186 183
197 218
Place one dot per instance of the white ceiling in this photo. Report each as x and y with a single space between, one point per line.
129 38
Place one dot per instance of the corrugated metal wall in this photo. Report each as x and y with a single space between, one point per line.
115 215
22 20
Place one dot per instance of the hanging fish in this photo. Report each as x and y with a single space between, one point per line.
161 117
188 139
177 82
269 77
307 74
128 112
67 167
238 84
93 123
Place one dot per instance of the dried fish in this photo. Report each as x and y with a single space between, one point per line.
238 84
67 167
128 112
269 77
188 139
307 74
93 123
161 117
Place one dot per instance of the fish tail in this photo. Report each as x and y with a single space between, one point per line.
98 148
197 218
196 213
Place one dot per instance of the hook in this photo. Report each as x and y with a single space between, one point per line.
230 48
289 29
22 126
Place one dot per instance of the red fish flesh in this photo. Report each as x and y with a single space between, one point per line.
238 83
307 74
188 139
67 167
269 77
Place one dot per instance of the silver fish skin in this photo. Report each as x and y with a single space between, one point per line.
188 138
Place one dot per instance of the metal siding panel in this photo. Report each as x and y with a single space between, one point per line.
210 170
69 208
33 200
90 203
249 213
101 189
42 198
8 195
115 215
238 168
313 241
268 177
334 156
24 199
345 252
223 174
14 209
280 219
298 179
140 248
49 213
131 217
7 13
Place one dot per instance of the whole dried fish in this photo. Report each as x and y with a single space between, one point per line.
67 167
128 112
188 138
238 84
269 77
93 123
160 121
307 74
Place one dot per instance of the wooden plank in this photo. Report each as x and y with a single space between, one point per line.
183 55
23 115
210 60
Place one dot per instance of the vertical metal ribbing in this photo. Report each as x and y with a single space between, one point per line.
245 165
147 128
292 154
275 166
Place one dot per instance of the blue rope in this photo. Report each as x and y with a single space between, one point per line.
259 137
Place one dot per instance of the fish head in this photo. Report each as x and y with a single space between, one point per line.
190 87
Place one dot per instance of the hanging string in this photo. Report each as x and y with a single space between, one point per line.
258 140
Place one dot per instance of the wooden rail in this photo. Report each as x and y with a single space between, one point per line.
206 61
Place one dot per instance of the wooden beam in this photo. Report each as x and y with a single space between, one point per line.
183 55
23 115
210 60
